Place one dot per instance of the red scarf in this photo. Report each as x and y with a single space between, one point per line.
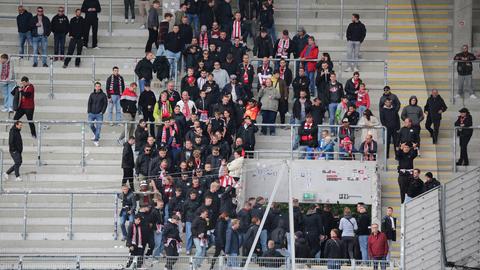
237 30
173 131
245 74
366 150
5 71
282 73
356 83
215 33
226 180
165 111
112 80
186 110
136 227
203 41
283 46
307 126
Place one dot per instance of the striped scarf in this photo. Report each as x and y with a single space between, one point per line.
112 80
5 71
134 235
237 30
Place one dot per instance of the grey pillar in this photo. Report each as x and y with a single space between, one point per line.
462 24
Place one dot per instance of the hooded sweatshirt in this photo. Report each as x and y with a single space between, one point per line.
413 111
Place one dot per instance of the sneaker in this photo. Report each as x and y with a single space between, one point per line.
93 138
96 48
10 110
457 96
4 110
64 66
187 253
356 69
472 96
349 69
126 20
5 176
45 65
132 21
18 179
142 26
96 143
34 65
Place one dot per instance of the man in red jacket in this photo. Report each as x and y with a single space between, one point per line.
27 104
310 52
377 247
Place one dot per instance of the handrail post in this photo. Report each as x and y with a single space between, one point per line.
51 77
175 72
39 144
1 171
340 73
454 149
403 219
341 19
24 236
110 18
70 231
65 6
115 219
453 82
77 266
93 68
20 262
297 19
125 129
385 72
385 34
82 160
292 143
385 150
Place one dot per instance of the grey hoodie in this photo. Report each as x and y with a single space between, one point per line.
413 111
221 77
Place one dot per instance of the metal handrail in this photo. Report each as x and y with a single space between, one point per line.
1 170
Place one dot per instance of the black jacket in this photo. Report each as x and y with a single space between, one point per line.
266 18
223 48
407 135
364 222
47 28
302 249
356 31
224 13
247 135
144 69
174 42
308 137
199 226
433 105
334 249
387 228
189 208
297 108
468 122
161 67
313 224
389 118
207 15
186 33
299 44
318 113
405 160
24 22
129 202
127 157
241 72
170 231
87 4
77 27
147 101
465 68
97 102
263 47
143 164
250 237
15 142
141 136
220 233
60 24
334 92
117 87
350 89
395 101
431 184
415 188
245 218
301 83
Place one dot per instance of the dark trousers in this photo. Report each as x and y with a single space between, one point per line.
74 43
128 176
136 252
129 4
152 38
59 44
218 250
171 252
417 129
17 162
29 113
349 242
436 127
91 23
268 118
464 140
391 138
403 181
379 261
148 116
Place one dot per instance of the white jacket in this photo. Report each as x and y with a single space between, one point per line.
235 167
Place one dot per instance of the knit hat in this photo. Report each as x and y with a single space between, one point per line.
233 77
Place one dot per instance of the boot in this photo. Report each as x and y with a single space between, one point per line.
459 162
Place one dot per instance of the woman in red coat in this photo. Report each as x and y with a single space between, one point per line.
310 52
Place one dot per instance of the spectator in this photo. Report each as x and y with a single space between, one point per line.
237 29
146 105
415 187
415 114
356 33
464 122
173 49
302 107
464 70
224 15
310 52
26 105
220 75
187 107
391 121
313 229
157 218
76 32
405 156
250 236
318 111
348 226
302 250
333 98
220 235
207 16
322 80
7 82
342 109
352 86
193 11
200 238
97 104
363 99
407 134
368 122
129 5
245 75
144 70
186 32
283 47
115 87
281 86
152 26
267 20
270 253
91 8
300 40
141 135
352 115
335 249
128 101
135 242
263 45
143 8
326 146
15 147
60 28
389 225
369 148
41 29
346 131
388 94
377 247
363 231
285 72
248 14
346 148
269 96
233 244
247 132
128 208
307 133
430 182
24 19
171 239
301 82
128 162
162 33
434 108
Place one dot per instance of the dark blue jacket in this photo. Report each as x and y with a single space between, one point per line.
232 245
23 22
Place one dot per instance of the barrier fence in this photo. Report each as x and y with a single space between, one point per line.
24 262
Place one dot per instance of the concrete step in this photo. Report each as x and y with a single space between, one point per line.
91 247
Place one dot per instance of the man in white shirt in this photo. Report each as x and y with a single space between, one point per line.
187 107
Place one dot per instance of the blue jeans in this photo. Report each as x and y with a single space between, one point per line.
332 108
311 77
263 240
40 42
141 85
363 241
173 59
200 252
114 102
160 50
158 244
123 218
193 19
333 264
232 260
22 37
272 33
7 97
268 117
96 127
59 44
188 236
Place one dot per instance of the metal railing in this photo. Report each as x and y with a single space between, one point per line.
111 262
454 157
1 170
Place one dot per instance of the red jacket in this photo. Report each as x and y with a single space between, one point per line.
312 55
27 99
363 100
377 245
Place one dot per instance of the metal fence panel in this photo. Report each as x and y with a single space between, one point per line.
422 232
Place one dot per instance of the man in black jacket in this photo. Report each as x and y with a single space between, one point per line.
173 49
144 70
405 156
23 26
430 182
464 69
200 237
128 162
356 33
97 104
389 225
41 29
302 107
390 119
60 31
247 132
114 87
263 46
15 147
415 187
224 15
152 26
434 109
127 212
333 97
91 8
245 75
300 40
76 32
